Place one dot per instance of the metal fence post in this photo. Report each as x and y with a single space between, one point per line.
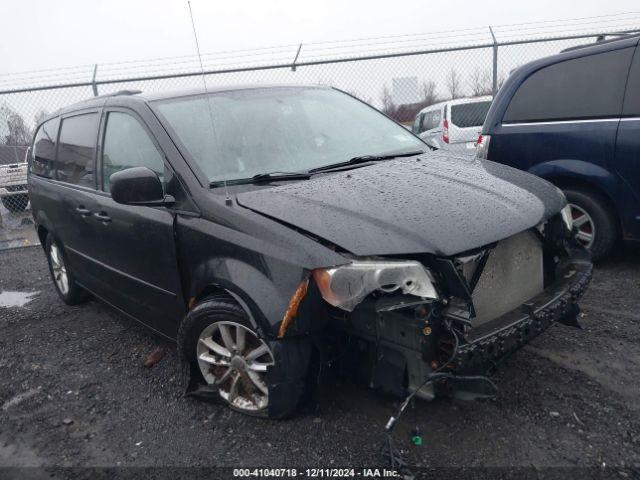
293 65
494 86
94 85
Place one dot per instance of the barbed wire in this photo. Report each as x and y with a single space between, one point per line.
325 50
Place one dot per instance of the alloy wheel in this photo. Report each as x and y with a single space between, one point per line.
235 360
59 269
584 225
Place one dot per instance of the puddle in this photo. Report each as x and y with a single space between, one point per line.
15 299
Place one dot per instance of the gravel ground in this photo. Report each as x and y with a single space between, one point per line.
74 392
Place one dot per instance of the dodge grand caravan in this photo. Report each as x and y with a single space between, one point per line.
574 119
257 225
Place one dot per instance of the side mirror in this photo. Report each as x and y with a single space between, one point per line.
138 186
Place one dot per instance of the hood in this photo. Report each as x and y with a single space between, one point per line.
434 203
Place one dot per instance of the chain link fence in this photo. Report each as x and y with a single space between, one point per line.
402 76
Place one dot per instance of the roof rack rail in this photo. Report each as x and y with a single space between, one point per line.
119 93
123 92
600 39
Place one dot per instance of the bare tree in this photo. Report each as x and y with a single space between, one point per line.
453 84
388 106
18 132
481 83
428 93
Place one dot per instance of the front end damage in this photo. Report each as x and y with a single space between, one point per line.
485 304
423 324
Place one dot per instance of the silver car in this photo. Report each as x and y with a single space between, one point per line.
453 125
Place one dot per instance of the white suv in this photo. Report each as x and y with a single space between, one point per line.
452 125
13 178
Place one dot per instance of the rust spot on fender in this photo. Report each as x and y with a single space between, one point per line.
292 310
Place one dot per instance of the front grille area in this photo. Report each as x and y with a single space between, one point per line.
512 275
522 326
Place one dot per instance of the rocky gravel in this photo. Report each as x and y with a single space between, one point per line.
75 392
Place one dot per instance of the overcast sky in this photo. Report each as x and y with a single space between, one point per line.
42 34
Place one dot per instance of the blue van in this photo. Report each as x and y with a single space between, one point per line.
574 119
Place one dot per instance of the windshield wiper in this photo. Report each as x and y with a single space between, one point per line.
267 177
263 177
368 158
365 159
277 176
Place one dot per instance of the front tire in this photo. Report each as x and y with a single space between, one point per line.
63 278
594 222
228 354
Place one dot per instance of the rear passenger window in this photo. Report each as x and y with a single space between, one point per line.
75 162
468 115
587 87
127 144
44 149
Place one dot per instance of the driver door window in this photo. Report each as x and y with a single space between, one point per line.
127 144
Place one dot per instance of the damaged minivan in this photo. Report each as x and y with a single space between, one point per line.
262 226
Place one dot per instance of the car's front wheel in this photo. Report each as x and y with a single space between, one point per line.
62 276
594 222
229 354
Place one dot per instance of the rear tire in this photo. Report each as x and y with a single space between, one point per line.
599 223
63 279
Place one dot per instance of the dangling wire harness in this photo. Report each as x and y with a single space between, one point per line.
393 454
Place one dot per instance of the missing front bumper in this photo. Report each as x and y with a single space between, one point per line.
557 304
395 349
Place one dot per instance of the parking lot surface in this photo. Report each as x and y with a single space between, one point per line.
74 392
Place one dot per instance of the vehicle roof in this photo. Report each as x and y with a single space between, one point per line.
457 101
521 73
152 96
142 97
583 51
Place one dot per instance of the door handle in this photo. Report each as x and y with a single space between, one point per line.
103 217
83 211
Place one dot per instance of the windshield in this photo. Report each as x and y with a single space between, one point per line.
248 132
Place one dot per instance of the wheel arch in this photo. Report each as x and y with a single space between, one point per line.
214 289
44 227
42 232
264 294
583 176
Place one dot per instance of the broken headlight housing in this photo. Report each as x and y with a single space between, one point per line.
347 285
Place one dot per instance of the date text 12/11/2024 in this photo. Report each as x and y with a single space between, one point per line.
315 473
